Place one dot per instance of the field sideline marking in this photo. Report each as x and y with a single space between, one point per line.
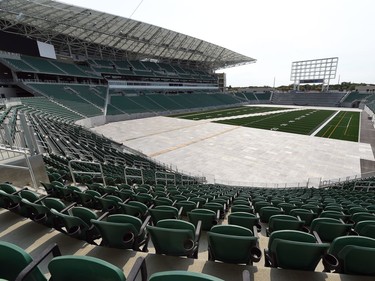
334 129
215 111
325 123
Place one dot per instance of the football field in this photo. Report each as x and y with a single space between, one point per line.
327 123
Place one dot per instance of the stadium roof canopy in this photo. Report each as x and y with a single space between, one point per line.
86 33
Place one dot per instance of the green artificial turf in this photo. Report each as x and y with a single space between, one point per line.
344 126
228 112
299 122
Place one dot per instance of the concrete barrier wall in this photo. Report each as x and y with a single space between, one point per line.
21 177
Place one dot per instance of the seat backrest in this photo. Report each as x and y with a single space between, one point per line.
116 234
260 204
29 195
231 248
84 214
283 217
266 212
332 214
229 229
208 218
304 214
78 268
287 207
366 228
357 260
176 224
357 209
31 209
163 201
242 208
173 242
122 218
292 235
329 228
244 219
186 205
298 255
143 207
8 188
182 276
71 223
280 222
13 260
361 216
214 206
340 242
54 203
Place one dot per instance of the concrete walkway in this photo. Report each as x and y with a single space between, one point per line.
239 155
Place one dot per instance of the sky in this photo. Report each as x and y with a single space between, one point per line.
274 32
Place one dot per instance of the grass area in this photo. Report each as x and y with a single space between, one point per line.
299 122
228 112
345 126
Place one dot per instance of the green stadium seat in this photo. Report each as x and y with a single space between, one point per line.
175 237
292 249
78 268
122 232
233 244
15 262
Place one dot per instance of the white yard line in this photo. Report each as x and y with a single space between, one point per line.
347 125
325 123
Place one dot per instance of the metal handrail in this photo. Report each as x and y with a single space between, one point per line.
127 176
72 171
25 153
163 176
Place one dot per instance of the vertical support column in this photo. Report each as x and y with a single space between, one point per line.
107 98
29 138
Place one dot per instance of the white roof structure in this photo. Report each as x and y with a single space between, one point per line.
82 32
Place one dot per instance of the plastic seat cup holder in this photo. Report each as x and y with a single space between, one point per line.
40 218
138 215
330 262
74 231
256 254
128 237
88 201
111 209
14 207
259 227
189 245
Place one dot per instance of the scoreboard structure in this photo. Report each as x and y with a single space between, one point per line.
316 71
